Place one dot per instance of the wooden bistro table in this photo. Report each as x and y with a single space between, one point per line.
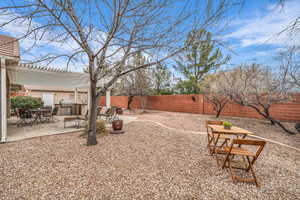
220 130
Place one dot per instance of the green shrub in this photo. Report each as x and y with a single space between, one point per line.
100 128
297 127
26 102
227 124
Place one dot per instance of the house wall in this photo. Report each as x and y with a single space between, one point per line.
197 104
67 97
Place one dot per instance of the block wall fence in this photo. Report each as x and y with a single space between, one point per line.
197 104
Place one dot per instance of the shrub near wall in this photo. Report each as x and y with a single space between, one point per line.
26 102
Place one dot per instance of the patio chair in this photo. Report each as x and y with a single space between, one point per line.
47 107
49 116
211 139
17 113
110 114
99 109
25 117
235 150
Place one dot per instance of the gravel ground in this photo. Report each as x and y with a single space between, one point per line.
147 162
196 122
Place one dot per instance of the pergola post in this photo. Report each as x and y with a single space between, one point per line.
89 98
3 102
107 99
76 95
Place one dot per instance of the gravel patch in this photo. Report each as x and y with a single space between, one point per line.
147 162
196 122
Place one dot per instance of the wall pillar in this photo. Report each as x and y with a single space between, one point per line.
3 101
107 99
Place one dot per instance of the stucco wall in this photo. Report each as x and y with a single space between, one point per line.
197 104
67 97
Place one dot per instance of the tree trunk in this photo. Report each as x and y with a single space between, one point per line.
267 112
130 99
218 113
219 107
91 139
273 121
284 128
157 88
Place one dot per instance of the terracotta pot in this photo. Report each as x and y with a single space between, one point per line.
117 125
119 111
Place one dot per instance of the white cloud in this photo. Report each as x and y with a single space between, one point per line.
264 27
45 46
17 28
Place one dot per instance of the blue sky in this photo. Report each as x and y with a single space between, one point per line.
251 33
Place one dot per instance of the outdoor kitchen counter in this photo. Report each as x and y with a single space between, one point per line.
71 108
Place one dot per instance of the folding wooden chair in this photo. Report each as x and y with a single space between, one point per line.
235 149
213 138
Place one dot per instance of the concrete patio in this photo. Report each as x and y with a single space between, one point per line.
53 128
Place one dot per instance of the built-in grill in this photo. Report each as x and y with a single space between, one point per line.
70 108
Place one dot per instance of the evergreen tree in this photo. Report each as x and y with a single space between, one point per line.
199 58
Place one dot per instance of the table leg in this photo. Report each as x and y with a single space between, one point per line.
215 141
35 120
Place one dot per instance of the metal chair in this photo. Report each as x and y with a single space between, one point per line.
110 115
25 117
50 115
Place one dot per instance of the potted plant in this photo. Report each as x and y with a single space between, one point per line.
117 126
119 111
227 125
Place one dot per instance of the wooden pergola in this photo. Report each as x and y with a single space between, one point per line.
14 72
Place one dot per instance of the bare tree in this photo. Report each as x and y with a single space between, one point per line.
216 91
258 88
290 66
136 83
105 34
218 101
